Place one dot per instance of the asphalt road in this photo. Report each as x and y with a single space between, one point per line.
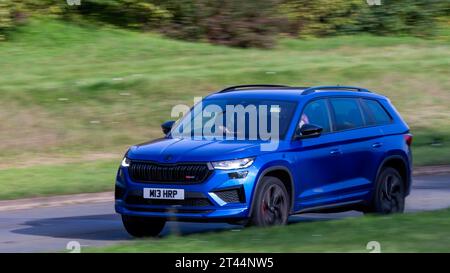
51 229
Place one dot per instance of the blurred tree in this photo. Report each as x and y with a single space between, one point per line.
126 13
250 23
392 17
411 17
230 22
240 23
185 20
5 17
321 17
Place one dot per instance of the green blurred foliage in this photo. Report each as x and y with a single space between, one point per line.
14 13
331 17
185 20
5 17
232 22
126 13
321 17
410 17
243 23
240 23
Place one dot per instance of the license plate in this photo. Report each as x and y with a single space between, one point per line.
157 193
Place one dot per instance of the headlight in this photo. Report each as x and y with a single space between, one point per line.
233 164
125 162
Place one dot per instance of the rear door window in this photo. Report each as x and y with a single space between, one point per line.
347 113
377 114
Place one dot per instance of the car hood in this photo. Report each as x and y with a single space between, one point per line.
172 150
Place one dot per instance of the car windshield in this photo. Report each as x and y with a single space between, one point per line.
237 119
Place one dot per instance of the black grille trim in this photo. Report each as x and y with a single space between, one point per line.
179 173
232 195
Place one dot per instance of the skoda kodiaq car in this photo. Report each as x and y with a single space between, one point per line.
336 148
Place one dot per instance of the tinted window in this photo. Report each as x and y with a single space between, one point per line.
316 112
377 113
347 113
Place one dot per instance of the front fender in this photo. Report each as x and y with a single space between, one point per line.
282 165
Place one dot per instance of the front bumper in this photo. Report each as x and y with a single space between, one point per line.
203 202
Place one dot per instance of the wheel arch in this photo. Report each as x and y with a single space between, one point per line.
400 163
282 172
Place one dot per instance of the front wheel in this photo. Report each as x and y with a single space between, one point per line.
271 206
389 195
143 226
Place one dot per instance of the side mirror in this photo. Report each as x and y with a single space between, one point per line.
308 131
167 126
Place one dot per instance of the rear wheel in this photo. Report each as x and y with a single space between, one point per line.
143 226
389 196
271 206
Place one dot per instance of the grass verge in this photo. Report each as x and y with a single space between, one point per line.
49 180
420 232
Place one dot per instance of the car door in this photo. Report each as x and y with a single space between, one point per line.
317 159
357 143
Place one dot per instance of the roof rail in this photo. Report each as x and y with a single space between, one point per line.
246 86
333 87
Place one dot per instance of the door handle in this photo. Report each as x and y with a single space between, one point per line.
377 145
335 152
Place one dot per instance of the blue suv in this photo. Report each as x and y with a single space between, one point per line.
337 148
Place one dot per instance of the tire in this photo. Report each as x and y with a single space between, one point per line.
389 195
271 205
143 226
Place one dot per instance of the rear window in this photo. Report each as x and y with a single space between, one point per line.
347 113
376 113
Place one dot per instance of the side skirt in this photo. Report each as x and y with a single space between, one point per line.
338 207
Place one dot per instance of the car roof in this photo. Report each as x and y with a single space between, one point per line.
291 93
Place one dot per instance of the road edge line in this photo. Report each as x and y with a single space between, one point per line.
432 169
55 201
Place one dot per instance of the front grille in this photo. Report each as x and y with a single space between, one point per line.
145 171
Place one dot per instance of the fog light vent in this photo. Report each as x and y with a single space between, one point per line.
118 192
235 195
